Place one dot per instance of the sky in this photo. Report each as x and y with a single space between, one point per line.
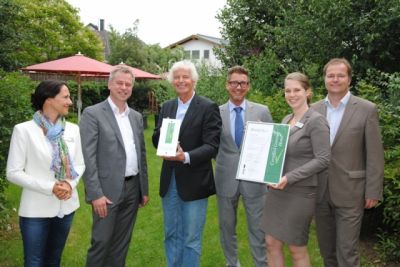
160 21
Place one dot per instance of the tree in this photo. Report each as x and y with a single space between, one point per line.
304 34
8 33
128 48
43 30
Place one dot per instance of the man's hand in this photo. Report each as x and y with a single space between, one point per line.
180 155
144 202
370 203
100 206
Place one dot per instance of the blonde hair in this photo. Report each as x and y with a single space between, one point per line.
335 61
303 80
120 69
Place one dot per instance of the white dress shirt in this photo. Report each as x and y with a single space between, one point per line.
125 128
335 115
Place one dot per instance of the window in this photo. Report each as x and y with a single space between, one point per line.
206 54
196 54
187 54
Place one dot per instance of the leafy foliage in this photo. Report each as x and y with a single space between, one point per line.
304 34
382 89
15 107
128 48
41 30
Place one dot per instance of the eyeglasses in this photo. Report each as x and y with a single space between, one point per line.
242 84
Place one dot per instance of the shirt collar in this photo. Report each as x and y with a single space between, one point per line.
187 102
115 109
232 106
343 101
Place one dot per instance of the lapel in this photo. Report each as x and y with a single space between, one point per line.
321 107
171 112
226 121
347 115
303 120
249 111
190 113
133 123
110 117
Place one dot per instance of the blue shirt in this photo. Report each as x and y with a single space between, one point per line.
335 115
180 115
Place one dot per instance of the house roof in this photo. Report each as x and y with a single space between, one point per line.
210 39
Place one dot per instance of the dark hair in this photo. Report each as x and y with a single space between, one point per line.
238 70
45 89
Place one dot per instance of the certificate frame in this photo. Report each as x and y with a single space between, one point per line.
168 141
263 152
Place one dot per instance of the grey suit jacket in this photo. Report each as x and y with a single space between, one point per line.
357 161
308 150
104 152
228 153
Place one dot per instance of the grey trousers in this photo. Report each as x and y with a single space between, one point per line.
227 212
111 235
338 231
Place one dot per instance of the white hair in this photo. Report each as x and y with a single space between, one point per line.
186 65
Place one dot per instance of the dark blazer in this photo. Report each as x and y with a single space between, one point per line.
356 169
308 150
104 152
199 136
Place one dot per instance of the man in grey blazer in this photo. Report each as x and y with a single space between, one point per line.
116 175
228 188
354 179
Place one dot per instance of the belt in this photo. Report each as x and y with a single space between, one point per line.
127 178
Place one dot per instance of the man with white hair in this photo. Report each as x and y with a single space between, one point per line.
187 179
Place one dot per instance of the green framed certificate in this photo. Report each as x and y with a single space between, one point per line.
263 152
169 133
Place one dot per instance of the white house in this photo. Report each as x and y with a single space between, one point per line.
199 47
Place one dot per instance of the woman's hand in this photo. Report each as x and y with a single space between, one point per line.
281 185
62 190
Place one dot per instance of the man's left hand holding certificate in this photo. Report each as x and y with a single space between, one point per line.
168 146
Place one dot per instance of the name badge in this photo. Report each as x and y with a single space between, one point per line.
68 139
299 125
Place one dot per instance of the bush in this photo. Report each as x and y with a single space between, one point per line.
15 107
211 84
387 100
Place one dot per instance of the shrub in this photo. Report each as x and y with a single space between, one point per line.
15 107
387 100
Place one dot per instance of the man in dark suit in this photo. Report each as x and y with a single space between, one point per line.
354 179
187 179
229 189
116 174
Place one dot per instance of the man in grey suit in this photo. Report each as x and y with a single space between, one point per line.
354 179
228 188
116 174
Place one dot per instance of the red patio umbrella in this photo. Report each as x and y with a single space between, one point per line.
77 65
140 74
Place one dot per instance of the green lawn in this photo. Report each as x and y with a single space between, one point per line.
147 243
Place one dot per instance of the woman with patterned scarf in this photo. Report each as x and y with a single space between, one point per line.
45 159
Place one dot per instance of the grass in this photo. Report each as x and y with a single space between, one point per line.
146 249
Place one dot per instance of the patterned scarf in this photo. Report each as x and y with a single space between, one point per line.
61 162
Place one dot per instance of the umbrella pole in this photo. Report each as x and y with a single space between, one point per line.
79 102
